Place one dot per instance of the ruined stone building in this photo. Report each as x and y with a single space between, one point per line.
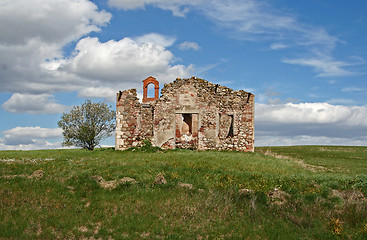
190 113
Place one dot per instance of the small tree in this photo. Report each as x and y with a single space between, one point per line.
86 125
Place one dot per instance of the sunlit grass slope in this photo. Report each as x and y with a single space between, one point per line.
323 189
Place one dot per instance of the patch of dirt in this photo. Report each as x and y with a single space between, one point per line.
38 174
185 185
9 160
313 168
323 149
145 234
245 191
26 160
350 199
14 176
271 154
159 179
114 183
350 196
34 227
97 228
278 197
307 166
127 180
83 229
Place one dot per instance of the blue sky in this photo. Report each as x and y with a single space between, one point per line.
305 60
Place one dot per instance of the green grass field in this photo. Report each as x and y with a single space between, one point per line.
321 194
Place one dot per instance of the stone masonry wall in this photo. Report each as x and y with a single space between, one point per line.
134 121
191 113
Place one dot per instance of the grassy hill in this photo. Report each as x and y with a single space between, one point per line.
303 192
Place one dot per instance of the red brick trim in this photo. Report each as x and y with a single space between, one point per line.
146 82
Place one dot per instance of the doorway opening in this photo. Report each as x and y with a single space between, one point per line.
186 124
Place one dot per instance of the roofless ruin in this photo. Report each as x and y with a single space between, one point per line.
190 113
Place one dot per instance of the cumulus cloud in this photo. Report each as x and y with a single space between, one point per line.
102 67
34 31
32 60
49 21
108 94
294 122
114 61
33 104
29 135
120 64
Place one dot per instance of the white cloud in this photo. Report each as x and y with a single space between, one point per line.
159 39
308 140
206 68
120 64
27 136
109 94
319 113
32 64
178 7
189 45
35 145
325 66
250 18
278 46
33 104
49 21
290 124
100 69
253 19
260 21
32 60
34 31
352 89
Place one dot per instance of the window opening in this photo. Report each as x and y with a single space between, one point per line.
151 90
226 126
230 131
